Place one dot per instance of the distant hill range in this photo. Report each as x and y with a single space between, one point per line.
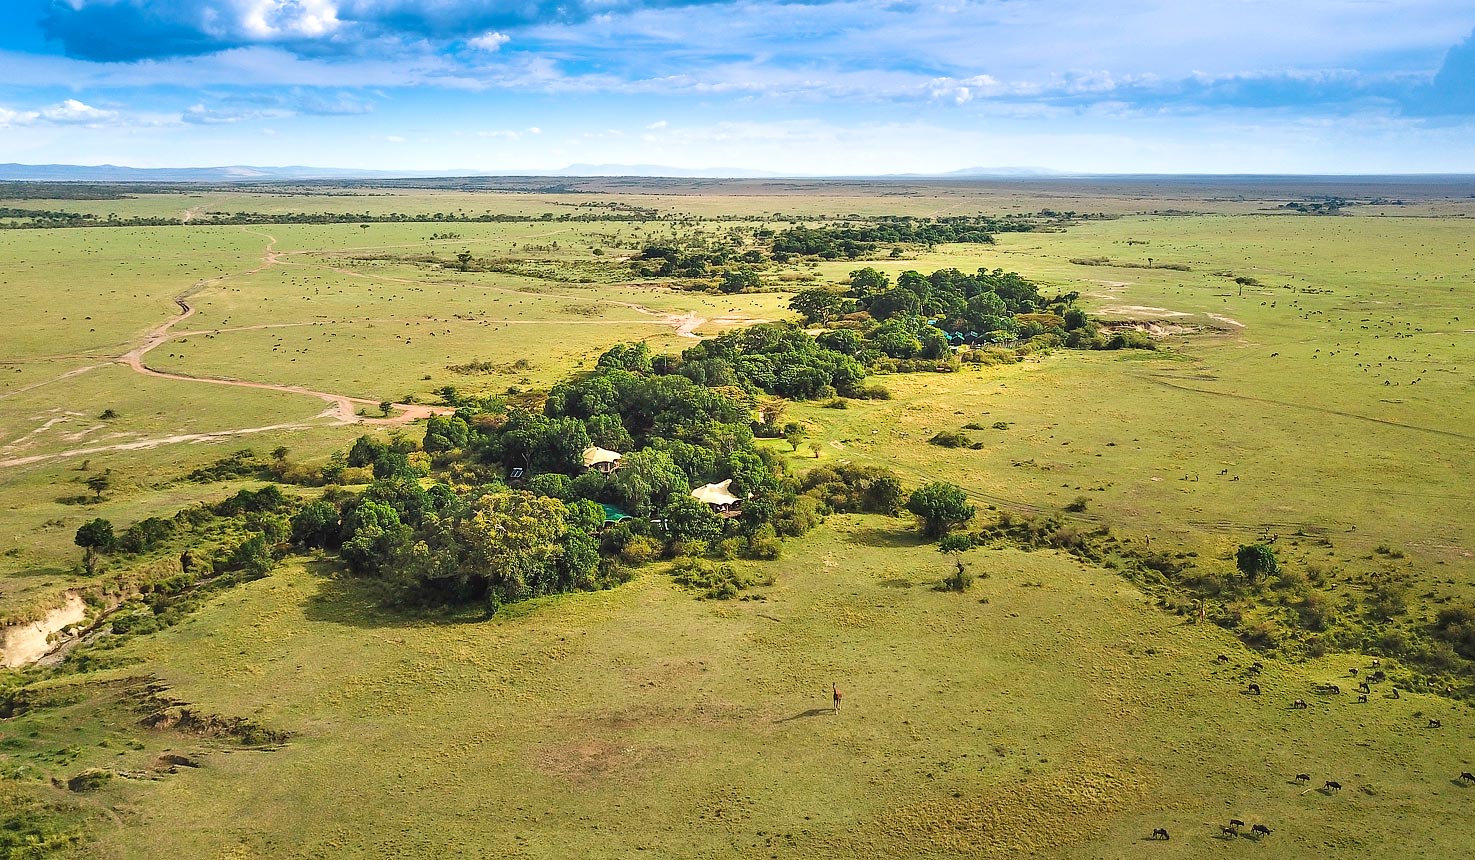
244 173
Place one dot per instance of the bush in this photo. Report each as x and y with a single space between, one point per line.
954 439
715 581
960 580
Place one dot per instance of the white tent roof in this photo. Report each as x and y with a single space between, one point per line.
715 494
595 455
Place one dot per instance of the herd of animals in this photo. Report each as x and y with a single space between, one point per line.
1234 828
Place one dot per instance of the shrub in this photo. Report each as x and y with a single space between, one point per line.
954 439
715 581
960 580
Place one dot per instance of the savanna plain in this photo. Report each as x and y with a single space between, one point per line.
1219 564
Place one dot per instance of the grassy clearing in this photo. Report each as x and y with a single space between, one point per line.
1062 716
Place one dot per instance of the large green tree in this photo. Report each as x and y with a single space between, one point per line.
514 540
940 507
817 304
94 537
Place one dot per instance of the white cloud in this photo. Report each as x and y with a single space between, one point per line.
489 42
532 129
657 125
73 111
17 117
503 133
394 138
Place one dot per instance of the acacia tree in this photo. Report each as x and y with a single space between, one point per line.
94 537
817 304
940 507
99 484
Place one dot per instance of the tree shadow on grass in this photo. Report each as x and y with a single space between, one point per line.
886 538
343 598
812 712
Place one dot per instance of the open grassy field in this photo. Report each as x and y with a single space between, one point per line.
1054 710
1050 711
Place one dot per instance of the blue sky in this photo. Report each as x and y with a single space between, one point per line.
809 87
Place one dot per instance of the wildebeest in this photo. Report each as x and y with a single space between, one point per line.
1255 668
1235 822
1260 830
1467 776
1254 689
1160 833
1364 687
1333 689
1223 658
1362 699
1332 785
1434 724
1299 703
1228 831
1303 778
1352 671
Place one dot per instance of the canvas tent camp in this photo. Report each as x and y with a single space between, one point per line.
718 496
601 459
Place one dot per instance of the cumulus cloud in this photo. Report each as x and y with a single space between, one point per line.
489 42
68 112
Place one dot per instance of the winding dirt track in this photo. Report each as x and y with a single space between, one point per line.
340 409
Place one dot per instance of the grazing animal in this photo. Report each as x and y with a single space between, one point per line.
1362 699
1223 658
1260 830
1467 776
1228 831
1256 667
1395 692
1333 688
1160 833
1254 689
1299 703
1303 778
1377 662
1332 785
1364 687
1434 724
1352 671
1236 823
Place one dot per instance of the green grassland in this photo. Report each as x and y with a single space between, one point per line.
1050 711
1055 709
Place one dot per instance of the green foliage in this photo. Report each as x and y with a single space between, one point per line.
953 439
94 537
686 520
955 542
817 305
716 581
445 433
316 525
1256 560
939 507
254 555
1455 626
740 281
851 488
145 535
960 580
